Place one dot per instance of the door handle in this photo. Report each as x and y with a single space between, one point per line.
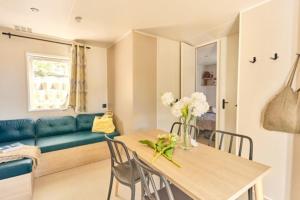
224 102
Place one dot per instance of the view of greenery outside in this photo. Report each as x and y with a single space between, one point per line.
50 83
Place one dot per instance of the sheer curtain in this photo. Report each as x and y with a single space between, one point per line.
77 99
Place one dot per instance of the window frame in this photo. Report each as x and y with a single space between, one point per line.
29 55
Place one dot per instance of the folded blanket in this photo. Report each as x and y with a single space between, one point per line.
25 151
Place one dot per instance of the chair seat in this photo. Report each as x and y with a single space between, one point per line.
122 172
177 193
59 142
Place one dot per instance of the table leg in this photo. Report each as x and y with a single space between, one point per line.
259 194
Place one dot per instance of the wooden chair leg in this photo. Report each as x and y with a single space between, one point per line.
117 188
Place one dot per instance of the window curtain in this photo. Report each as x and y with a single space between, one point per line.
77 99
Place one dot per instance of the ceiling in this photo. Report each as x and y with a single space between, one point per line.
207 55
104 21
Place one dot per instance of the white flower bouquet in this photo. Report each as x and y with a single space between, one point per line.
186 109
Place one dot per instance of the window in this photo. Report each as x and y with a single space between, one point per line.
48 81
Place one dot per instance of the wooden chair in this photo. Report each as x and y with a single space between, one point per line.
123 168
150 190
220 144
192 129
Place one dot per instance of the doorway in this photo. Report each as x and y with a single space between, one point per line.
206 82
212 69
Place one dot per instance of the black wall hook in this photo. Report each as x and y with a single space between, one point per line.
253 60
275 56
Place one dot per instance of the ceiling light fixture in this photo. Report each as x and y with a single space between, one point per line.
35 10
78 19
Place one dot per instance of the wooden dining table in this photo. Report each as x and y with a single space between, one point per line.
206 173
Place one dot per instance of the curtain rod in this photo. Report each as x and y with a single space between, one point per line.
33 38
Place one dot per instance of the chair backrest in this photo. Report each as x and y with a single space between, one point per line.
178 125
117 149
149 185
241 138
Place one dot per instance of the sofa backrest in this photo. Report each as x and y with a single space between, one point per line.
14 130
55 126
85 121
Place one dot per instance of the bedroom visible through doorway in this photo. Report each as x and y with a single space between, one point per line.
206 82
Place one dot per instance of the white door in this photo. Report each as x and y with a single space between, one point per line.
227 83
188 69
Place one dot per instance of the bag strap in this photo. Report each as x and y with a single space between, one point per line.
291 78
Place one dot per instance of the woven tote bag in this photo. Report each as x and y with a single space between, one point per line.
283 111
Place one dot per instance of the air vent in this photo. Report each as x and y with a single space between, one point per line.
23 29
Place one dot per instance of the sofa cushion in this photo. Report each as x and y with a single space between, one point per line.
30 142
58 142
20 129
55 126
15 168
85 121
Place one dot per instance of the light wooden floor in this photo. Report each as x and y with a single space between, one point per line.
89 182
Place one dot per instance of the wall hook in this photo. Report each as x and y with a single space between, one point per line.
253 60
275 57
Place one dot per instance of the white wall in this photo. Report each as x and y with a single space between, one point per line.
199 73
296 149
132 82
168 79
187 70
13 76
120 83
96 76
264 30
144 81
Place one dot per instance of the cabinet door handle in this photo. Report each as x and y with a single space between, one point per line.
224 102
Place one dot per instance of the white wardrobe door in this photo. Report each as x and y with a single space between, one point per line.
188 69
168 79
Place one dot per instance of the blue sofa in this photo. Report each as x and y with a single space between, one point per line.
50 134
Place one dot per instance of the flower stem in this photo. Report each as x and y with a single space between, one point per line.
173 161
156 156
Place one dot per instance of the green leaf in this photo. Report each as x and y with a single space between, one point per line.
169 153
164 146
148 143
159 145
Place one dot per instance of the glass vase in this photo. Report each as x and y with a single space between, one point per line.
185 137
